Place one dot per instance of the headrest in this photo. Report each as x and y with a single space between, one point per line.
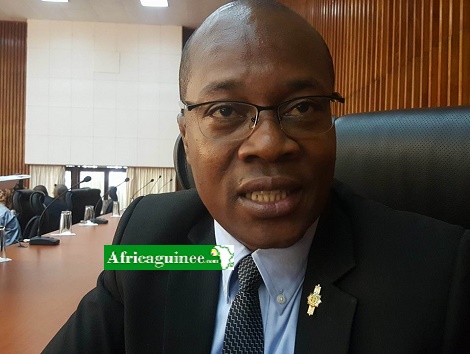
183 170
415 159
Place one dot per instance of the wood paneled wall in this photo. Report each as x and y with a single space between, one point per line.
12 97
395 54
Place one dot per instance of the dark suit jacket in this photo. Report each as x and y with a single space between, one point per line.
392 282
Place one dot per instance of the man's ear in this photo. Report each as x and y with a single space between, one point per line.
180 119
181 124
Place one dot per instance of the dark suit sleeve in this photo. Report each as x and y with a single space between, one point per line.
457 335
115 316
97 326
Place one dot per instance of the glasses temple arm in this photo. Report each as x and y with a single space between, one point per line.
337 97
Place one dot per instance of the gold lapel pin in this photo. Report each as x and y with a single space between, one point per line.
314 300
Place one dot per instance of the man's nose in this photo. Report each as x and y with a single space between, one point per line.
268 141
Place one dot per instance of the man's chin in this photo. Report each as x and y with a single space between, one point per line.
269 241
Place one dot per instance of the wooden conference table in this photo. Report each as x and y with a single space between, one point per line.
42 285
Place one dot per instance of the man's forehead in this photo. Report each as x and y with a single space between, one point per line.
269 39
238 64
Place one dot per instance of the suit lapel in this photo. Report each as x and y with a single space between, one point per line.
194 298
331 256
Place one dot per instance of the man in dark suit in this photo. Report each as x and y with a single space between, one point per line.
339 273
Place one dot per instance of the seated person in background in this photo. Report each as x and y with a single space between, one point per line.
56 207
256 81
8 219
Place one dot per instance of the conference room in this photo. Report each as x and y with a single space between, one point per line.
89 98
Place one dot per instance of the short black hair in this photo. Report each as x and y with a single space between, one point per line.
59 190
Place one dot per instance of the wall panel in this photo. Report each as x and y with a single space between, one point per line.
12 97
101 94
395 54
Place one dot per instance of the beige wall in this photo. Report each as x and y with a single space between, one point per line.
101 93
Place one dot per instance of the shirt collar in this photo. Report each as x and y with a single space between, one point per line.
282 269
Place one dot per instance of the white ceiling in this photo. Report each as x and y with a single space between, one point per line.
187 13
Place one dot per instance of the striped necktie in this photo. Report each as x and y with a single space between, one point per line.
244 328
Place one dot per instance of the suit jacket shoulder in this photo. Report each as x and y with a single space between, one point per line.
163 218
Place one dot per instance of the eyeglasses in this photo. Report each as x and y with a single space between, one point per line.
300 117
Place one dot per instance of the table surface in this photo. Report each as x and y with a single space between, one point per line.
42 285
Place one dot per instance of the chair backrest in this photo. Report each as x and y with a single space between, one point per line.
22 206
416 160
47 224
184 175
77 199
37 202
108 204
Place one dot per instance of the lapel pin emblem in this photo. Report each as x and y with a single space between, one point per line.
314 300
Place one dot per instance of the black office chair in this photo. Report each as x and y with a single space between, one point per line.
37 202
184 175
77 199
416 160
37 205
22 206
48 222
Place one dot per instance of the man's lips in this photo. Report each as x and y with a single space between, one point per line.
270 196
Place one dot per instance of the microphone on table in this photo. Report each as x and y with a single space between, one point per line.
101 220
141 189
155 183
171 179
38 238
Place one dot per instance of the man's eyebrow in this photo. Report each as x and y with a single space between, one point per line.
232 84
214 87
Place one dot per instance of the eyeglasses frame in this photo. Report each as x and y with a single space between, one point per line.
334 97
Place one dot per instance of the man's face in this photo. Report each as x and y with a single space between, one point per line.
256 66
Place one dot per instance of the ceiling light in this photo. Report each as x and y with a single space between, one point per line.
56 0
154 3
